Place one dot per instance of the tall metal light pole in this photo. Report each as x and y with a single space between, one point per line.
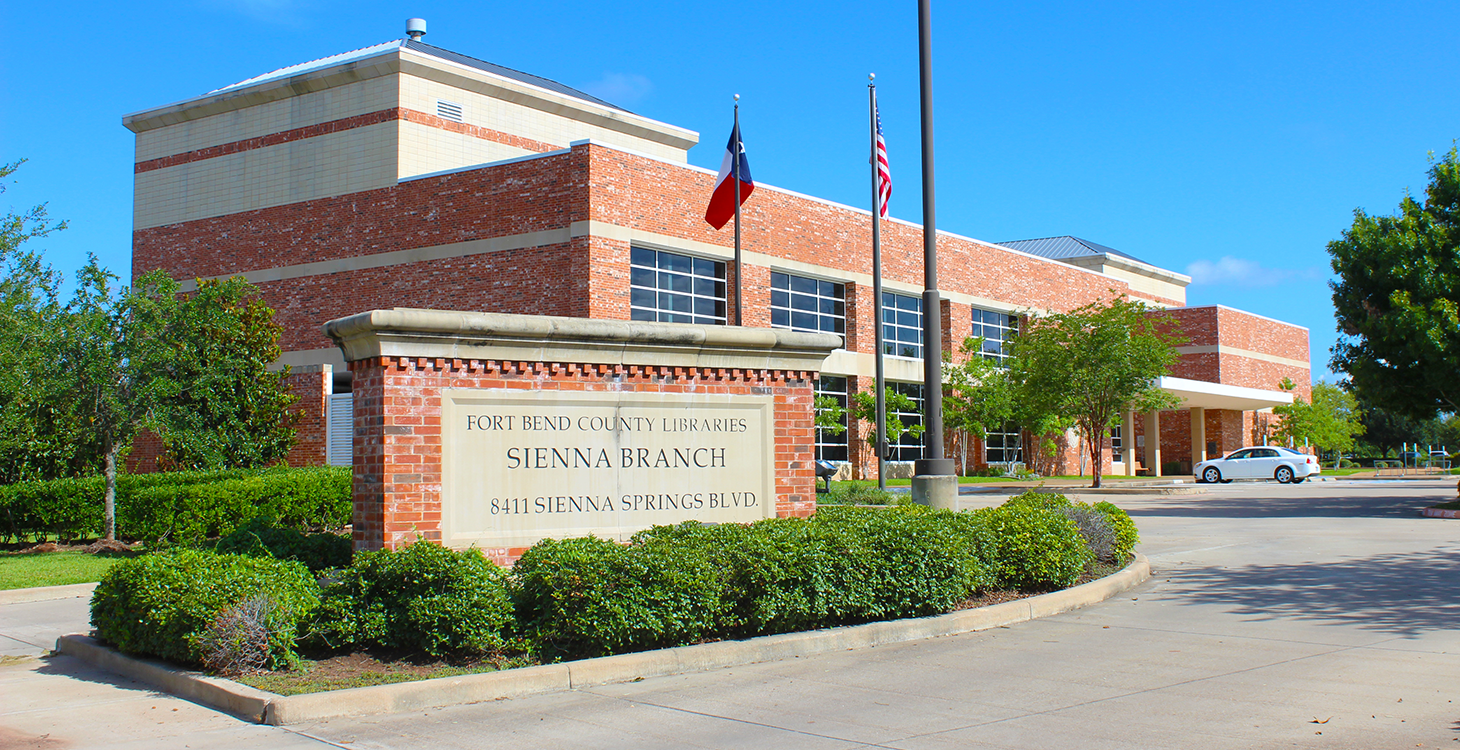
934 482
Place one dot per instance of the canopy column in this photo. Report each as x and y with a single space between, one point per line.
1198 436
1153 443
1128 442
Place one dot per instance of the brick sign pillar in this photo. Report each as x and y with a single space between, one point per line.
495 430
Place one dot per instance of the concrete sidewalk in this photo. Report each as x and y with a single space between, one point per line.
30 628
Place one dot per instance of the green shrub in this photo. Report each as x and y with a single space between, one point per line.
422 597
1126 536
163 604
61 508
261 537
773 573
183 506
1036 499
316 497
862 494
1034 548
590 597
904 562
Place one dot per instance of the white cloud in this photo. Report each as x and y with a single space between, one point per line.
620 88
1228 270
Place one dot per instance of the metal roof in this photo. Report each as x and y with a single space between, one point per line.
1059 248
424 49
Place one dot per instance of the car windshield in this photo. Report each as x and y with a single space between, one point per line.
1290 452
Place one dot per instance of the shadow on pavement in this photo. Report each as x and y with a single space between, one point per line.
1406 594
76 669
1283 502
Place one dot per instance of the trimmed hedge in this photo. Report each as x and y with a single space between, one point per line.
261 537
422 597
163 604
669 586
177 507
1034 548
590 597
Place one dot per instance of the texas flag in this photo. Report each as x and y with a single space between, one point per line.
722 203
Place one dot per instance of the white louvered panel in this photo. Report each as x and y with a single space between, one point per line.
342 430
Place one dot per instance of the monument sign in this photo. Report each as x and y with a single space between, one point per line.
496 431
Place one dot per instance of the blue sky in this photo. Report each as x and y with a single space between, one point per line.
1227 141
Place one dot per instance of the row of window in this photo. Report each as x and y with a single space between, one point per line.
672 288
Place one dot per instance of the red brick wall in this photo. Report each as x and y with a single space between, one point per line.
312 384
397 481
146 455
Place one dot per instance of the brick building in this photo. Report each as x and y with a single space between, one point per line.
406 175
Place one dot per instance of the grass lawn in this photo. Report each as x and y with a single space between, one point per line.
1452 505
53 569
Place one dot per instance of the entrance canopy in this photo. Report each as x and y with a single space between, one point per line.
1201 394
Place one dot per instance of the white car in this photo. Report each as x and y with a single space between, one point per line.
1259 462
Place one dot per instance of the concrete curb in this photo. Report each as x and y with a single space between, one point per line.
1439 513
259 706
226 695
46 593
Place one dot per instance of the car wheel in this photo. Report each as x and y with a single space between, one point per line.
1210 475
1284 475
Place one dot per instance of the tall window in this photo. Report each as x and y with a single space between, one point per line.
902 325
833 446
909 448
803 304
1115 441
1001 446
672 288
997 330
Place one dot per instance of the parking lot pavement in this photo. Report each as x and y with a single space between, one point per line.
1273 607
1316 615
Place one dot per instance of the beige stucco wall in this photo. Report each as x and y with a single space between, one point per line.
332 164
303 110
492 110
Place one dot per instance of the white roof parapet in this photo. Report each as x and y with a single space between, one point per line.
410 332
1204 394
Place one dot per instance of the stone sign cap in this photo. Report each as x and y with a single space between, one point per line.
411 332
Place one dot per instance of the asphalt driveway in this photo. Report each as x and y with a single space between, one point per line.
1317 615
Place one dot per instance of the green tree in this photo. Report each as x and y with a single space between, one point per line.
35 435
234 412
864 408
1397 300
1089 365
1330 422
977 395
114 347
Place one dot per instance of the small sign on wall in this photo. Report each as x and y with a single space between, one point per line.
519 466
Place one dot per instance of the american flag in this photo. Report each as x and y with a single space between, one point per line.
884 177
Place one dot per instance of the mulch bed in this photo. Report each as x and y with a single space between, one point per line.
100 546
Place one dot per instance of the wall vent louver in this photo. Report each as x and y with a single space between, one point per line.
448 111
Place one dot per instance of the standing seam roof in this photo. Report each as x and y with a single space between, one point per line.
425 49
1066 247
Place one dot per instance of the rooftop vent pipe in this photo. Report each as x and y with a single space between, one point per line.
415 28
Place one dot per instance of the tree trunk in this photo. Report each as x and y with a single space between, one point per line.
111 493
1097 452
